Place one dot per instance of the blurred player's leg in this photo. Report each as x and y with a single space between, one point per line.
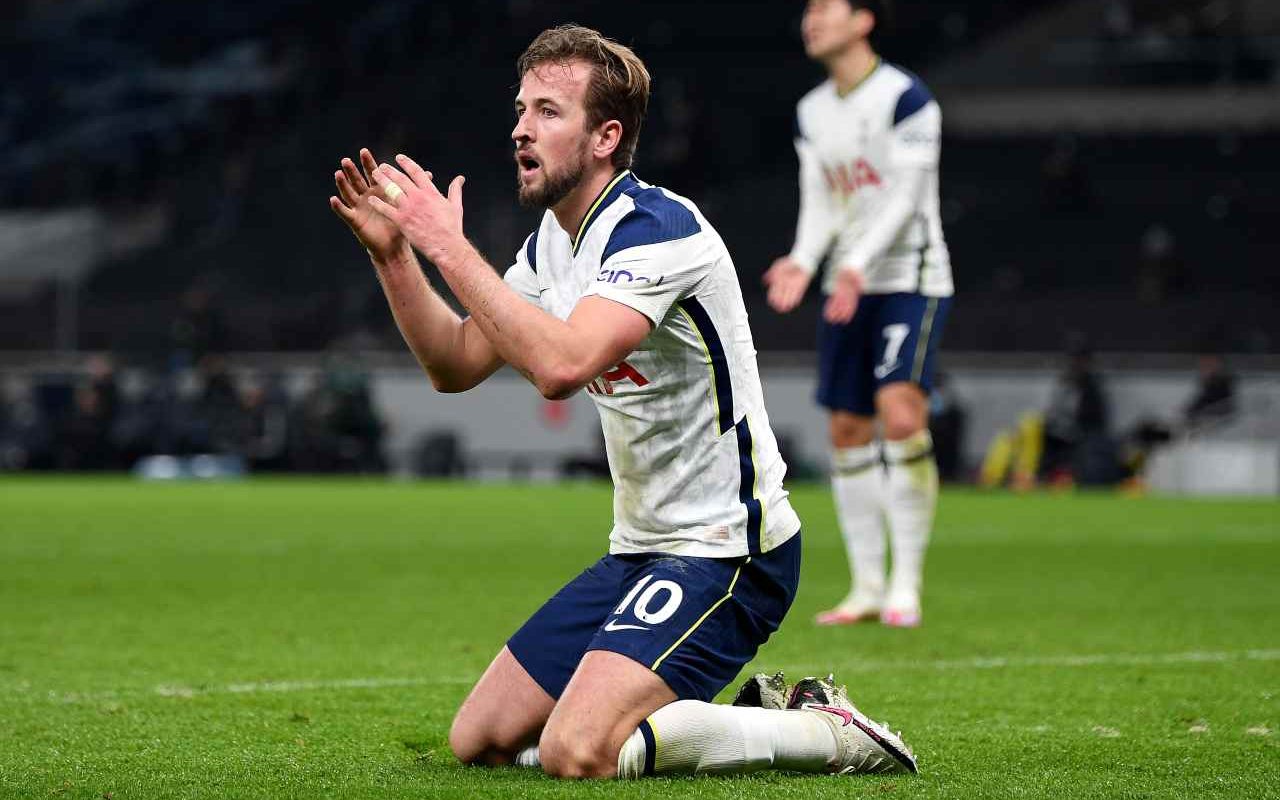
911 496
857 483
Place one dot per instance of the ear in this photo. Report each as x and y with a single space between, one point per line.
865 20
608 139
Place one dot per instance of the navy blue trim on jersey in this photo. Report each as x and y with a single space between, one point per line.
746 489
650 746
916 97
719 364
656 218
798 133
531 249
612 191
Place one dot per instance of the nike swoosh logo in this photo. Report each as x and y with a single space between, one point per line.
839 712
883 370
612 626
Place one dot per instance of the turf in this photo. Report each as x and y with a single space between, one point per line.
312 639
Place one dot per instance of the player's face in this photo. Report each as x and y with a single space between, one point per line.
830 26
551 136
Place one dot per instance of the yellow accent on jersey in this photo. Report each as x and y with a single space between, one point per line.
577 240
701 619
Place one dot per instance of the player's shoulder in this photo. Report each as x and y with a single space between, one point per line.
907 91
650 215
816 97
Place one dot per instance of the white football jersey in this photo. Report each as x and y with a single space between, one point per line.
859 153
696 469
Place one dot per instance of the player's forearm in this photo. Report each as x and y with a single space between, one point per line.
814 231
546 350
434 333
816 223
883 229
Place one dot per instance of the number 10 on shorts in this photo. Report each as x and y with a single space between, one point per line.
649 606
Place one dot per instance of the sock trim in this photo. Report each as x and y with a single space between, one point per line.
857 469
921 456
650 746
703 618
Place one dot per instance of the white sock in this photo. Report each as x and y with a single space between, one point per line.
857 482
693 737
528 757
912 497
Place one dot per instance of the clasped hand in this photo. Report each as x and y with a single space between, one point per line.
432 222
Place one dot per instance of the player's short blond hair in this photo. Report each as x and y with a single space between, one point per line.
619 86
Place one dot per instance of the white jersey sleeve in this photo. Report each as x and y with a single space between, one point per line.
653 260
818 220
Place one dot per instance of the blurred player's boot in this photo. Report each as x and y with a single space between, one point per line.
857 482
901 617
763 691
912 490
862 745
853 609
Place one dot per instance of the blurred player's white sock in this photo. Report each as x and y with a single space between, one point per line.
857 481
690 736
912 496
528 757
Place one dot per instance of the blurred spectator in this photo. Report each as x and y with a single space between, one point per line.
102 377
1068 444
338 429
267 409
219 410
84 434
1076 424
199 328
1215 397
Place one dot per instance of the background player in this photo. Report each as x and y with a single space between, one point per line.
868 139
625 290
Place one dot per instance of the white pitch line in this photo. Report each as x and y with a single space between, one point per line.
24 689
264 687
1067 660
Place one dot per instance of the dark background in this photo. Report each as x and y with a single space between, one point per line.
206 135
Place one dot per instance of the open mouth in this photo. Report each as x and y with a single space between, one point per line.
527 165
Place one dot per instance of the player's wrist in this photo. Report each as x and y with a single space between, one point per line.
802 262
398 259
451 254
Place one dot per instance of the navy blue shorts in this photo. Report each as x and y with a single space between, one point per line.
694 621
892 338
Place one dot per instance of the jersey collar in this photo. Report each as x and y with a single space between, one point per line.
863 82
607 195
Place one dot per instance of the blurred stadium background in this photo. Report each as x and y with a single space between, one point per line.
173 284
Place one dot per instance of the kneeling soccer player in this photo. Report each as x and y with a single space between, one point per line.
627 291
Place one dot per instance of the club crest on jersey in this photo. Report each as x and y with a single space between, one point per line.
849 178
623 372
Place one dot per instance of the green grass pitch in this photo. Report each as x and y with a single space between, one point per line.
312 639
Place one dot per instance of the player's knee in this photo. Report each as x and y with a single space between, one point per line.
851 431
902 424
566 756
473 745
